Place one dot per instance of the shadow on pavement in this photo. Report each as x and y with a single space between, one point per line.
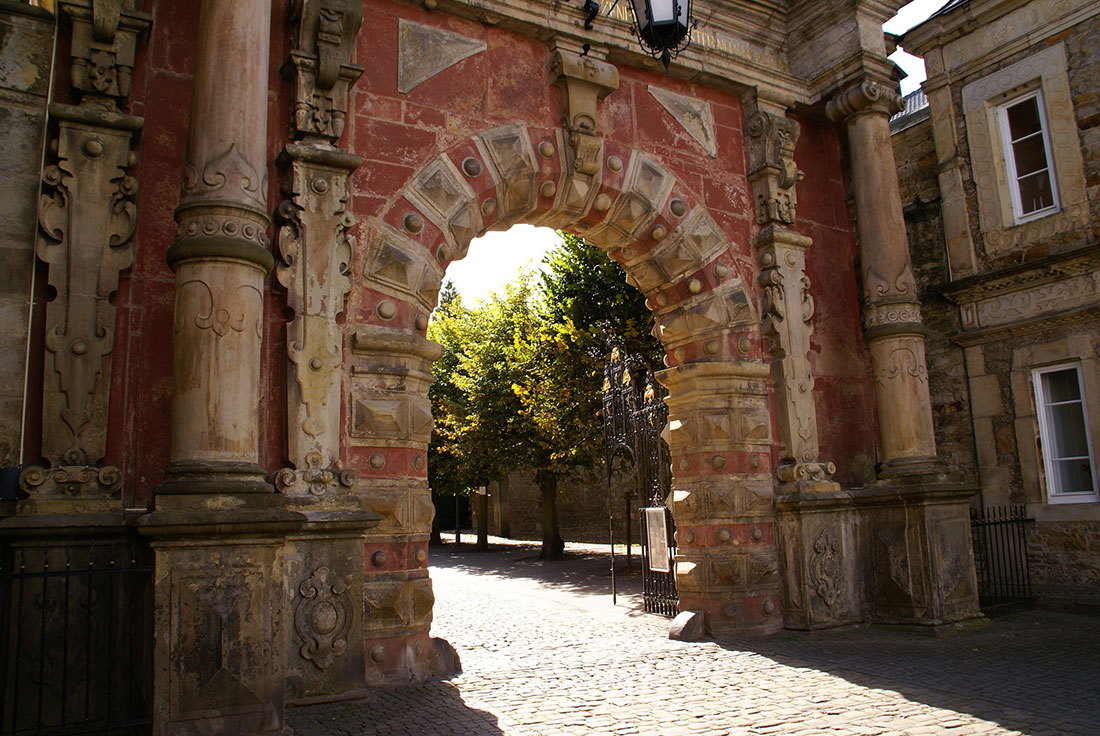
1033 671
585 569
434 708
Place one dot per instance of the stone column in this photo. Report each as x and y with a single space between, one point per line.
891 309
913 532
221 258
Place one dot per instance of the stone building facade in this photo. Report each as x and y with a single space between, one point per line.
244 214
1000 176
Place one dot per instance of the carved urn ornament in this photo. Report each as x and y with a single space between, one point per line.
663 27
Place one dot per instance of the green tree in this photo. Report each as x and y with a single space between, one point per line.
584 296
480 431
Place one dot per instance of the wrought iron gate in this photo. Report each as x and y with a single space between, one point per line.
634 415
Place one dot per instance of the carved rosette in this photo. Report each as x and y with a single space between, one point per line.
322 617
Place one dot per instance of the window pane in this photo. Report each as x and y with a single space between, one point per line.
1074 476
1030 155
1023 118
1067 423
1035 193
1061 385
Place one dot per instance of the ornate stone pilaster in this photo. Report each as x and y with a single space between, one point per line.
891 309
221 258
787 307
315 245
87 216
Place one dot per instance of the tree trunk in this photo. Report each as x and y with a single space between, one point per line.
553 546
482 523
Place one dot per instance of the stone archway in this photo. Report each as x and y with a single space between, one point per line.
698 287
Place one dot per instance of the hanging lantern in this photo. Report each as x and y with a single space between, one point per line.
663 26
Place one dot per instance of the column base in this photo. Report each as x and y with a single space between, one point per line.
209 478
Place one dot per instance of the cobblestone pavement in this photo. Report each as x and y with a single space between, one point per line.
544 652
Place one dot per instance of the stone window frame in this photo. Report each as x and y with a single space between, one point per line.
1078 349
1046 436
1045 71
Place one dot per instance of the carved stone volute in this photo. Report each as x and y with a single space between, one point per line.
866 96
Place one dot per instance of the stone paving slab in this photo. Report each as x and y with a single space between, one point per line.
545 653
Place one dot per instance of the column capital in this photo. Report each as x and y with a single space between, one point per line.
865 96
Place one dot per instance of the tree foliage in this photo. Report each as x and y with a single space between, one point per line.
520 377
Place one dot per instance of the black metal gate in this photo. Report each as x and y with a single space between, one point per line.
76 617
1000 556
634 415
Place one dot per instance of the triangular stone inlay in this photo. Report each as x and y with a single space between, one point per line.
696 117
423 52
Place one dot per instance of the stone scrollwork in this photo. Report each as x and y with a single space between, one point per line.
86 216
322 617
315 243
826 570
320 65
866 96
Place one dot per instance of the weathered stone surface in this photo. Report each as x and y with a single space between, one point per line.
424 51
687 626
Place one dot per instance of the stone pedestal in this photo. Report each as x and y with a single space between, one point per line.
220 614
818 548
918 559
326 648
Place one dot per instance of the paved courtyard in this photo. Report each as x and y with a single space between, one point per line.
544 652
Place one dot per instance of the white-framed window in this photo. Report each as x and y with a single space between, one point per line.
1064 434
1026 138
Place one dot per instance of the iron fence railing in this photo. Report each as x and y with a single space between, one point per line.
78 658
1000 555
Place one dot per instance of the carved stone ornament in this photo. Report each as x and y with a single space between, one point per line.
314 481
787 309
323 74
322 617
105 39
70 482
772 171
826 572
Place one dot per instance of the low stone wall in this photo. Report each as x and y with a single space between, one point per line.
514 508
1065 560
